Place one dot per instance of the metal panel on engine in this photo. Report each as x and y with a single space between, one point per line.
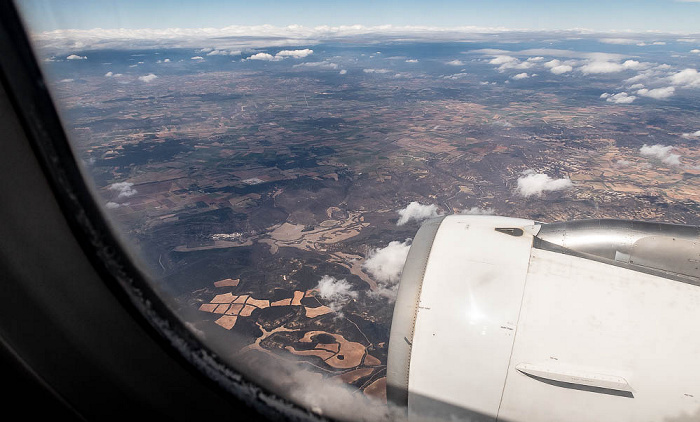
467 317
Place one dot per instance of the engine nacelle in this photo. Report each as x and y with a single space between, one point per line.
510 319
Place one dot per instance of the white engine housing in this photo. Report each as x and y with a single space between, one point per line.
494 323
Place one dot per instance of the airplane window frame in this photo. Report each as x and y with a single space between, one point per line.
21 76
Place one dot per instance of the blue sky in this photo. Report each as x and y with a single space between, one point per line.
598 15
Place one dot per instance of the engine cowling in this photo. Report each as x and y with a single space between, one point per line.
510 319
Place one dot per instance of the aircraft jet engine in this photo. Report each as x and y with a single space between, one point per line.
515 320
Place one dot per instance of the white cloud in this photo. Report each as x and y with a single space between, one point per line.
661 152
674 160
262 56
552 52
642 76
109 74
337 293
166 60
558 70
418 212
535 59
297 54
634 65
220 53
557 67
531 183
124 189
498 60
223 53
629 41
604 66
281 55
318 65
148 78
112 205
691 135
76 57
521 76
113 75
376 70
343 71
687 77
457 76
658 93
505 62
412 61
197 58
601 67
385 266
455 63
695 50
515 65
619 98
619 41
637 86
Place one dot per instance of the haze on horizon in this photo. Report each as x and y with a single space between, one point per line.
669 16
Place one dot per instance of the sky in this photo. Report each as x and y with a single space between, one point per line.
676 16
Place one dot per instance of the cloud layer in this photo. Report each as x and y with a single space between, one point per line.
657 81
610 67
238 37
295 54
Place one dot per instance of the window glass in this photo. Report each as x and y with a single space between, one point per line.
270 163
